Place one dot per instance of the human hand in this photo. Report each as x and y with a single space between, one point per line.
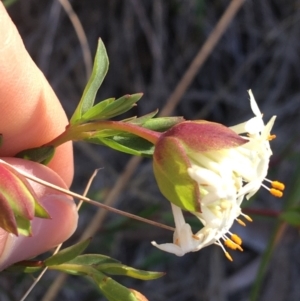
30 116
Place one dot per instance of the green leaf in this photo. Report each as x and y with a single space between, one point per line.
111 109
40 211
20 267
141 120
100 69
159 124
121 269
42 154
92 259
23 226
111 289
92 113
67 254
133 145
291 217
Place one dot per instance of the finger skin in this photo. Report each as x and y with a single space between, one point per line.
30 113
46 233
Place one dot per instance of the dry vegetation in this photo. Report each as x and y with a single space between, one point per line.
150 45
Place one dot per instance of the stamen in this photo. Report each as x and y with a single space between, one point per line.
225 252
228 256
271 137
195 237
276 184
247 217
273 191
240 222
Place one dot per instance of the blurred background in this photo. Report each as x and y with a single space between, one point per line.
150 45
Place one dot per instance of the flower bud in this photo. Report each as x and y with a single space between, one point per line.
183 148
18 202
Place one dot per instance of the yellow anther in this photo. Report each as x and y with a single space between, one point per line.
195 237
278 185
241 222
228 256
247 217
236 239
276 192
271 137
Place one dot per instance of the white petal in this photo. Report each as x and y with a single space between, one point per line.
254 106
255 125
178 217
267 130
170 248
204 176
239 128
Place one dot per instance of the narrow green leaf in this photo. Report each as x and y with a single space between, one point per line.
121 269
23 226
111 289
159 124
100 69
42 154
92 259
113 108
67 254
141 120
40 211
22 268
96 110
133 146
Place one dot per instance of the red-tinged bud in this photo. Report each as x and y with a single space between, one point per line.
177 151
18 202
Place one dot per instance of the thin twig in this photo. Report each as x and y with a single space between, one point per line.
92 202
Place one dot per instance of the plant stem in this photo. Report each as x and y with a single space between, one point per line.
82 131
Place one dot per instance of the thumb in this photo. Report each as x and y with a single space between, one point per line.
46 233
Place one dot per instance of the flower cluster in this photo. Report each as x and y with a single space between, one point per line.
225 166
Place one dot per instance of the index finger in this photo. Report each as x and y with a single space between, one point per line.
30 113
